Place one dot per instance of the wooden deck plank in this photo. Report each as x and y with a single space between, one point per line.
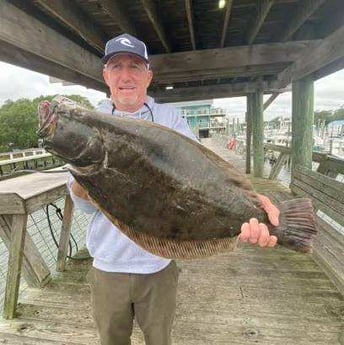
12 339
50 330
249 296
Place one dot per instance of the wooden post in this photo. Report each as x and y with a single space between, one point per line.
248 132
35 271
302 123
276 169
14 265
65 233
258 134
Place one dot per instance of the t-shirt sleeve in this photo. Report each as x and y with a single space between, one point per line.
84 205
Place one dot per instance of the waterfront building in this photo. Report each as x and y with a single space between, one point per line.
204 119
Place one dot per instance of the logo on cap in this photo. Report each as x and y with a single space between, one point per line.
125 42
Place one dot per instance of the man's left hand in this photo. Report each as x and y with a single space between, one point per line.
258 233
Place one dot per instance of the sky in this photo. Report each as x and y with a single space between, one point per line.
17 82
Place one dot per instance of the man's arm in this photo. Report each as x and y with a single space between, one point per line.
80 196
79 191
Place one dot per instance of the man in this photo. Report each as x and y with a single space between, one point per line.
127 281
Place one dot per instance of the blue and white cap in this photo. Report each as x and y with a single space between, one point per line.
125 44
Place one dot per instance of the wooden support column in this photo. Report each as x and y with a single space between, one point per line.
35 271
15 260
248 132
258 134
302 122
65 234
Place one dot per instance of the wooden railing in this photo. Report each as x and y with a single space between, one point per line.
328 165
43 160
21 153
19 197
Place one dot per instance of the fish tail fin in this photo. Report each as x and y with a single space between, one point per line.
297 228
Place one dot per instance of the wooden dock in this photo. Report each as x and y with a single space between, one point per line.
249 296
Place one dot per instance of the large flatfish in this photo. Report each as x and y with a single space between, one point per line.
168 193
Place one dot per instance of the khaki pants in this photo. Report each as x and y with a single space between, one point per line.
119 297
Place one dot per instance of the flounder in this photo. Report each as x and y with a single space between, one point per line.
166 192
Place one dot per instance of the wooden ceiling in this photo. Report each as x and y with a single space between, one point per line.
196 47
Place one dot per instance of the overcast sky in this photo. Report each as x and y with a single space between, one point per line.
16 82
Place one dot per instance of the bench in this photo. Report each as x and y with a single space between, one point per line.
328 199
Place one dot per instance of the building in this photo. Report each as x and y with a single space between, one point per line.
204 119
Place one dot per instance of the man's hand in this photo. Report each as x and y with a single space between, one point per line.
254 232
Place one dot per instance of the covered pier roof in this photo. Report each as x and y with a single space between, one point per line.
196 47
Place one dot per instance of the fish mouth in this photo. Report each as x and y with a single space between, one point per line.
47 119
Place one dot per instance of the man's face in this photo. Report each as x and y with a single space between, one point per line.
128 78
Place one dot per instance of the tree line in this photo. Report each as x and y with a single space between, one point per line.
19 122
321 118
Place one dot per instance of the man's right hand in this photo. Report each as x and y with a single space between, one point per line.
80 191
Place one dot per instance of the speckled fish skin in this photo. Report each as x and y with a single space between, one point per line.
148 177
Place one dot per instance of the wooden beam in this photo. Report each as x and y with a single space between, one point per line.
270 100
152 13
210 74
262 12
329 69
31 44
248 3
225 22
303 11
65 234
277 167
189 17
114 9
16 253
302 123
74 18
334 18
210 91
258 134
232 57
35 270
327 52
248 118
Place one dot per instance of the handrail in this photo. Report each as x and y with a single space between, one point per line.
329 165
9 166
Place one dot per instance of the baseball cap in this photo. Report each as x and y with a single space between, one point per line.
126 44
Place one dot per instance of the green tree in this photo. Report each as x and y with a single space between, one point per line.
339 114
322 116
327 116
18 125
19 121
